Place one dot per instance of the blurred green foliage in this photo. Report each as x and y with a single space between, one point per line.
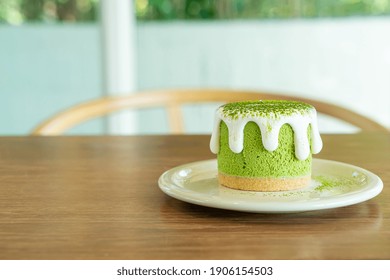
257 9
19 11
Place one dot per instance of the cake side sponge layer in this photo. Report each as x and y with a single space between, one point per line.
256 161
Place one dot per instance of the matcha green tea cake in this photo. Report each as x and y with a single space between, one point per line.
265 145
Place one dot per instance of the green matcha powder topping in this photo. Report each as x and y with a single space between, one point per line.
264 108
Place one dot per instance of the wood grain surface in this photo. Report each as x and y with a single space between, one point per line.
98 198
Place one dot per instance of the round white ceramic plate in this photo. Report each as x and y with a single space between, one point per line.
334 184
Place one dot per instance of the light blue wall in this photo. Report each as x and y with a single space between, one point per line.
44 69
342 61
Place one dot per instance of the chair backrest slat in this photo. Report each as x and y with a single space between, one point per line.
172 100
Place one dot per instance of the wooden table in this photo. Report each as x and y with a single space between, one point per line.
97 198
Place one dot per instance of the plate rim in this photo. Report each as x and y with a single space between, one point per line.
169 188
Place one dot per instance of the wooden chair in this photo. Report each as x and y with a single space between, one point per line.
173 99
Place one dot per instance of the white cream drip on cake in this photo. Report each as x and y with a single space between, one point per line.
270 127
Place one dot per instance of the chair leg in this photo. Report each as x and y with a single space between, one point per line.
175 119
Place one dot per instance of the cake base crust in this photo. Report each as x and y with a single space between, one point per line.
263 184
